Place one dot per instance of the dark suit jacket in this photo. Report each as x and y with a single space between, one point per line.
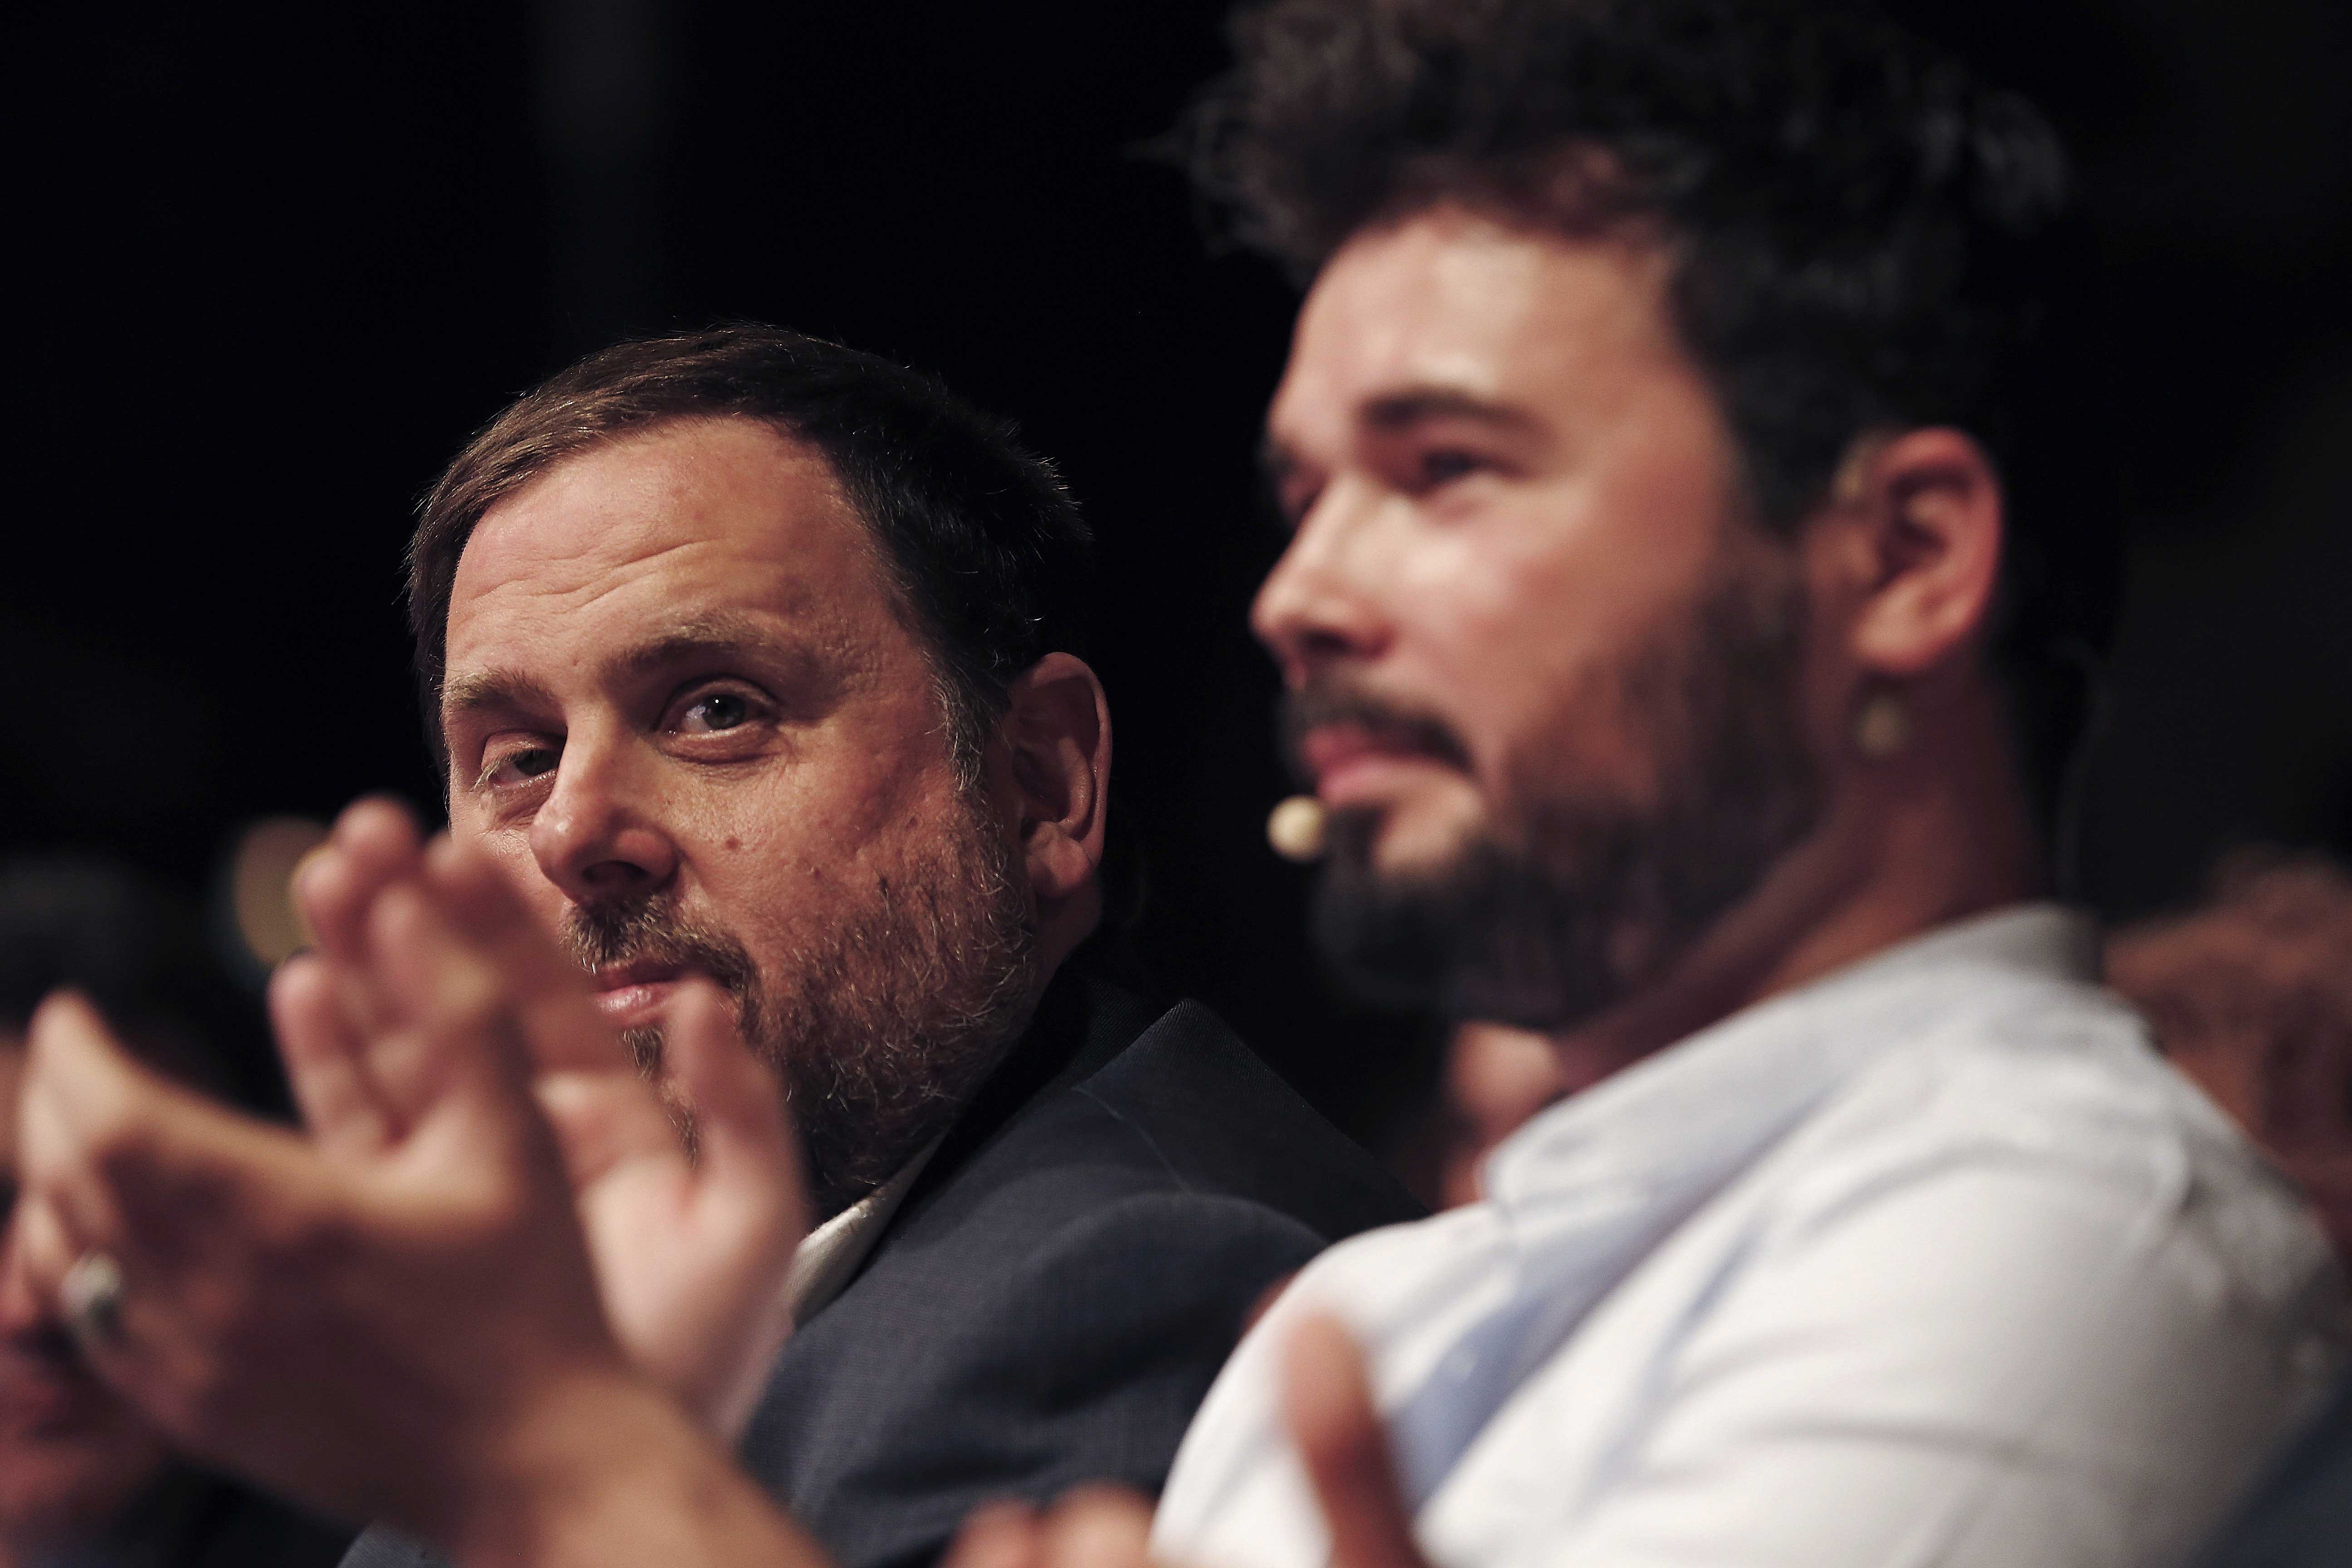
2301 1516
193 1521
1053 1298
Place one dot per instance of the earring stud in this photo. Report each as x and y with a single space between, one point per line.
1882 727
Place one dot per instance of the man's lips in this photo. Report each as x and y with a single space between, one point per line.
1353 763
631 993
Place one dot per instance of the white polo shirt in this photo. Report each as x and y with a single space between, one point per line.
1933 1261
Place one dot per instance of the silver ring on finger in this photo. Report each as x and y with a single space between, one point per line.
90 1295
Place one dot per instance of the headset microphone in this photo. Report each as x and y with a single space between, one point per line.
1296 828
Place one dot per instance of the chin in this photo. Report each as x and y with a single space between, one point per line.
1416 842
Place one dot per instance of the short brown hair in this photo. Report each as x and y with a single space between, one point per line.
983 542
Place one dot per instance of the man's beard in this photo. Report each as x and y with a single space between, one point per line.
893 1015
1546 920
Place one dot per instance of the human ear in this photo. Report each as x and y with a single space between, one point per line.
1922 513
1056 731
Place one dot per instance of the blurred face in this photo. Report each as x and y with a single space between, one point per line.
685 708
1540 665
72 1455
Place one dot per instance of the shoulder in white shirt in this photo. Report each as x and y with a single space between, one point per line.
1934 1261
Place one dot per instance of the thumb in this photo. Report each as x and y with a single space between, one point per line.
744 1141
322 1053
999 1535
1327 1400
457 1069
748 1186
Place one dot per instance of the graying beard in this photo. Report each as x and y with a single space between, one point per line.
892 1023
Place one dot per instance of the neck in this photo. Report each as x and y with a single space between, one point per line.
1062 927
1936 834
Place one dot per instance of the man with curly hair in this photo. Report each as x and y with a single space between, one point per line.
1683 629
1696 553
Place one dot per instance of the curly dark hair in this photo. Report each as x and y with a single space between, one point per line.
1864 236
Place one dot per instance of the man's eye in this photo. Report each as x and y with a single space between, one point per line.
718 711
1443 466
519 767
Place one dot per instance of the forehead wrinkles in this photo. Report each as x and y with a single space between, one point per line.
724 511
569 583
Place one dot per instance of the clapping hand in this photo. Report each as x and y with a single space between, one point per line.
378 1325
1327 1402
492 1222
690 1250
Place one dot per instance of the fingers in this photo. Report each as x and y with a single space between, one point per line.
743 1138
481 903
1327 1400
460 1033
693 1252
1091 1527
606 1115
602 1120
323 1057
422 1000
457 1075
119 1151
562 1028
427 963
374 844
39 1249
747 1182
1098 1527
74 1091
117 1161
1000 1535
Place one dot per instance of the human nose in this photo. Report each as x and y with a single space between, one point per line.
598 835
1320 603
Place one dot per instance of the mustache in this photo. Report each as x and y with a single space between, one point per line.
1313 706
655 931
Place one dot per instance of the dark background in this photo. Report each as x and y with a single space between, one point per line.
272 267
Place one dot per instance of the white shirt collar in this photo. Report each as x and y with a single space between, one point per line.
829 1255
1720 1091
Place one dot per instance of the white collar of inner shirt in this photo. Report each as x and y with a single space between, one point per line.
829 1255
1768 1062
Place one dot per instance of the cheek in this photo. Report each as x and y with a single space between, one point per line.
776 856
1504 637
1533 621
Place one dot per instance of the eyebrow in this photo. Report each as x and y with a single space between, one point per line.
509 690
1413 405
1398 411
720 632
488 690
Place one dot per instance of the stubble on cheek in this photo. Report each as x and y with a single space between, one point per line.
880 1002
